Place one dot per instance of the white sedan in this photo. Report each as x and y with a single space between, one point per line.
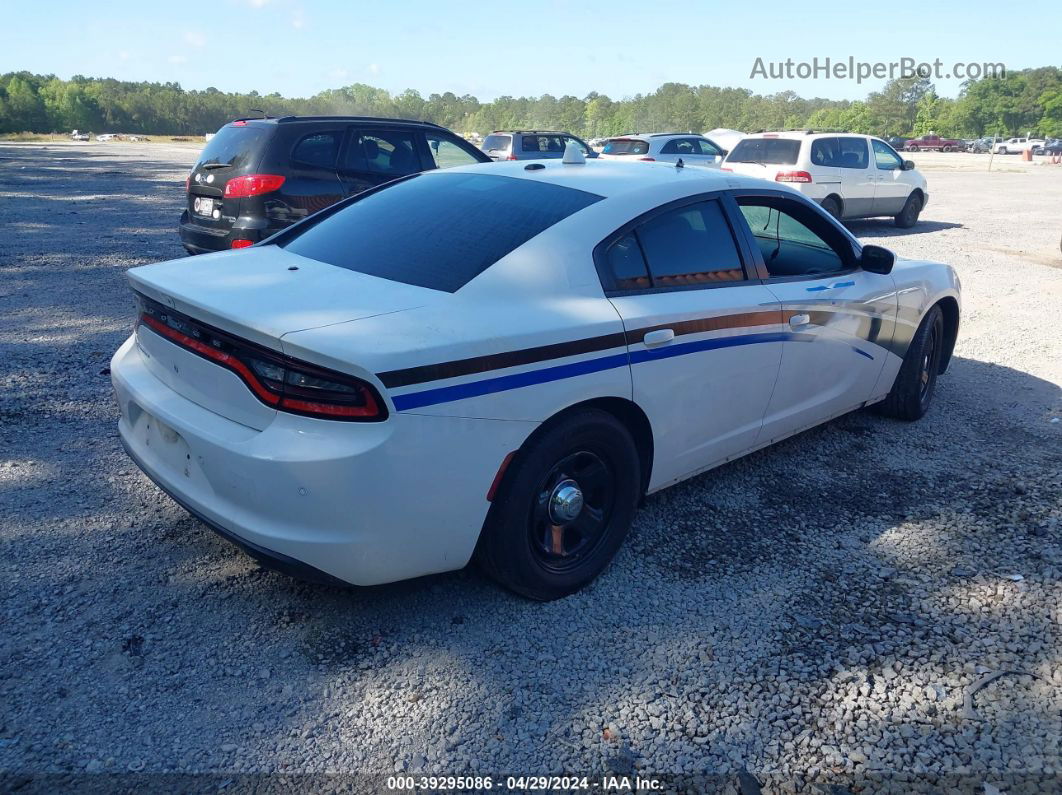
502 359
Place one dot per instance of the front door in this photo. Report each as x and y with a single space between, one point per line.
891 186
838 319
703 338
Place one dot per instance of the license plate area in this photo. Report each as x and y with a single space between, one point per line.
206 206
168 446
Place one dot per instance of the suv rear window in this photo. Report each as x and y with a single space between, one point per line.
438 231
626 146
237 146
776 151
496 142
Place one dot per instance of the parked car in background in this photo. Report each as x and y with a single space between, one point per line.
897 142
501 362
257 176
531 145
980 145
1016 145
849 175
78 136
934 143
1052 146
106 137
690 148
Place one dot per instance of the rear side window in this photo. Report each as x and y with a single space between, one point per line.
318 150
240 147
773 151
626 146
543 143
437 231
627 265
388 152
690 245
497 143
680 146
840 152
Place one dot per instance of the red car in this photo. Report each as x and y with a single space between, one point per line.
934 142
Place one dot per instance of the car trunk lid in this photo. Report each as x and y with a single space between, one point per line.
256 295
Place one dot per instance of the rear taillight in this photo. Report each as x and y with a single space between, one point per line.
512 156
651 159
724 168
242 243
279 381
793 176
252 185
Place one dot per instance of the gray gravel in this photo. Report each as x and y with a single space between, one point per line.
816 612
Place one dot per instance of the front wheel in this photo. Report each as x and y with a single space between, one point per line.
564 507
912 392
908 216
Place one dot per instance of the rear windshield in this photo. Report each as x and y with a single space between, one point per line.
438 231
626 146
776 151
238 146
496 142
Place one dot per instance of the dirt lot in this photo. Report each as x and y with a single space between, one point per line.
813 613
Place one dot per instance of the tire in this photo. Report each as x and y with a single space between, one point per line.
908 216
831 205
912 392
530 549
946 149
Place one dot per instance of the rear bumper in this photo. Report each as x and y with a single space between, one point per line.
198 239
362 503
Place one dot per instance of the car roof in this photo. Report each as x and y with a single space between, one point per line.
531 132
805 135
363 119
609 178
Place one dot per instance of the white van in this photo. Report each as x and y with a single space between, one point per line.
850 176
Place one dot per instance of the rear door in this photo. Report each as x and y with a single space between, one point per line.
311 182
838 319
858 175
702 337
374 155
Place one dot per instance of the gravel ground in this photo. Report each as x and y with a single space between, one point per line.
814 613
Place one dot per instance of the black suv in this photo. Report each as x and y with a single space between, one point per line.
257 176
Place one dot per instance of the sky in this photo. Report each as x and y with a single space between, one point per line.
492 49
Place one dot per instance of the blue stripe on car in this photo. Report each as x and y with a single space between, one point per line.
488 386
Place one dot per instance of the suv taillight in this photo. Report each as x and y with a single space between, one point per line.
512 156
278 381
793 176
650 159
252 185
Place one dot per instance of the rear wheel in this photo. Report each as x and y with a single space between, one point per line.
912 208
564 508
912 392
831 205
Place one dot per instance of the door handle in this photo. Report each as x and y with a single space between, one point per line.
800 320
659 337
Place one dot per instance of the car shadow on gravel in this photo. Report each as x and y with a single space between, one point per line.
884 227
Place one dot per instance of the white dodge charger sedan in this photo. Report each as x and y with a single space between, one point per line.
501 360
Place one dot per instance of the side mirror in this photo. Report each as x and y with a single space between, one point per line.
908 165
876 259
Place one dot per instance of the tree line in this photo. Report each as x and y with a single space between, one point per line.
1022 102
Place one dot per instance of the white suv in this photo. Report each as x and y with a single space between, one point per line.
692 149
850 176
1013 146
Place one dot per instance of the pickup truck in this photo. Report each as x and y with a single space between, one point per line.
934 142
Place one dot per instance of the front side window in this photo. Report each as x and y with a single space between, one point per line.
318 150
708 148
793 239
391 153
447 154
436 230
885 157
690 245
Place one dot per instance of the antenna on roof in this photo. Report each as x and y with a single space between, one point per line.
573 155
